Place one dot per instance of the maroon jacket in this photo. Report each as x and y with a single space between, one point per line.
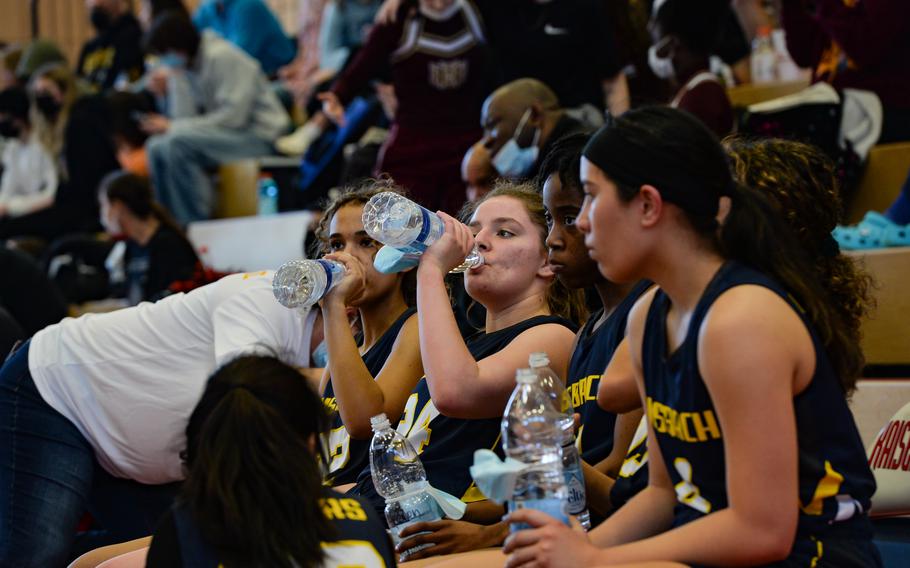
862 44
437 68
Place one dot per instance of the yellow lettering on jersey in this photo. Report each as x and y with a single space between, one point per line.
827 487
337 509
667 420
330 403
331 508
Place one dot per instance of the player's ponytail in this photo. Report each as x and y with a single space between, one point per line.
674 152
253 485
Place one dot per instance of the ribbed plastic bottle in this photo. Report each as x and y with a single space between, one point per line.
396 221
531 434
571 461
400 478
302 283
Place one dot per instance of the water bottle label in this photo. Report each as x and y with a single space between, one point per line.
556 508
426 510
328 273
575 482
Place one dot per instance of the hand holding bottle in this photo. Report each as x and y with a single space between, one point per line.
352 285
450 251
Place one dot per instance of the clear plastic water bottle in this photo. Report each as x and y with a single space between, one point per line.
302 283
764 58
398 222
531 434
400 478
571 461
268 195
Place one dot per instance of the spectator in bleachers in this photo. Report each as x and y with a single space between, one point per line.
155 253
73 127
28 180
437 55
297 75
859 45
219 107
521 120
149 10
114 56
35 55
567 44
684 40
95 409
251 26
344 28
477 172
9 59
127 110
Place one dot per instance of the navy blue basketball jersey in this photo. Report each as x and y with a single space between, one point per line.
633 475
835 482
591 356
361 537
347 456
446 445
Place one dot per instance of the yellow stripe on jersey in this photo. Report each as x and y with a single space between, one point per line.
828 487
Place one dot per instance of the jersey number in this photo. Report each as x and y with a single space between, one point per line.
339 447
686 491
417 428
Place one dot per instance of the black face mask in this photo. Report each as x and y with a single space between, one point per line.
8 129
100 18
48 106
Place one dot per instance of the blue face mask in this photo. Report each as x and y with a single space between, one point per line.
513 161
173 60
320 356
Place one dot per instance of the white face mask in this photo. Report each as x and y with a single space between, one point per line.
661 66
513 161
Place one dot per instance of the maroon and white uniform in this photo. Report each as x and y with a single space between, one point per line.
437 65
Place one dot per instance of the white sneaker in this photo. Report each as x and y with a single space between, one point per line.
296 143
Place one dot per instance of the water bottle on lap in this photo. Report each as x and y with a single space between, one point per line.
396 221
400 478
302 283
531 434
571 461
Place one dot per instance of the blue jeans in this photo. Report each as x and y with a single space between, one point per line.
49 477
180 162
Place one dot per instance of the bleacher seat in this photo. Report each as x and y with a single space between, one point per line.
236 189
886 334
742 96
884 174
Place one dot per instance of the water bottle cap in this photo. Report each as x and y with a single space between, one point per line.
525 376
380 422
539 359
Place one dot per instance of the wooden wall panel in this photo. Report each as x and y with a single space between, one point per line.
66 21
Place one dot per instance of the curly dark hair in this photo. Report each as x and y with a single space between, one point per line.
802 185
359 194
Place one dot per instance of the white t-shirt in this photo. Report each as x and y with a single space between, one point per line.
29 179
130 379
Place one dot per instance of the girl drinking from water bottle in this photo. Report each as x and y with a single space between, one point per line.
376 374
457 407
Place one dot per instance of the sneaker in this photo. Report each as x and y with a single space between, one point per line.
296 143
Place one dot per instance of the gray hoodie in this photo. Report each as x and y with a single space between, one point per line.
225 88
